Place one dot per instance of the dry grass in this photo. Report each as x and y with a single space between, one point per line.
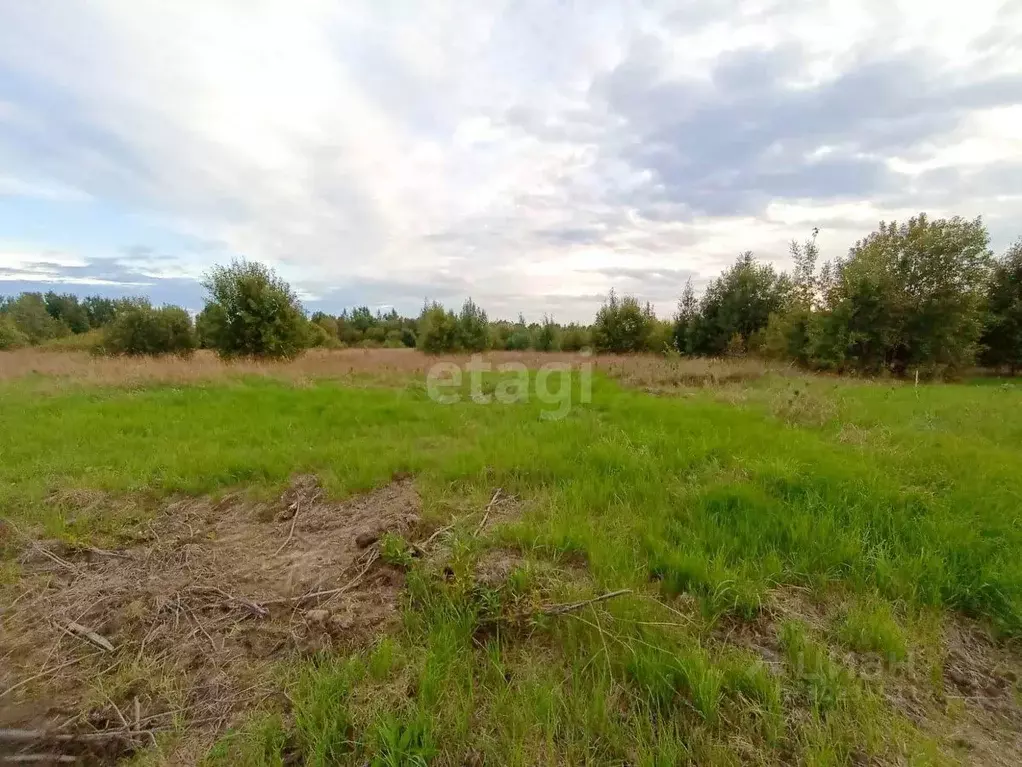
644 371
664 374
191 621
204 365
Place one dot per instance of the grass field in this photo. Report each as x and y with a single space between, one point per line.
813 570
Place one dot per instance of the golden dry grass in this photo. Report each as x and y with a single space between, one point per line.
204 365
645 371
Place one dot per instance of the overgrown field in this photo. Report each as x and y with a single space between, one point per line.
705 564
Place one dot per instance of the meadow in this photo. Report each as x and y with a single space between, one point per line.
706 563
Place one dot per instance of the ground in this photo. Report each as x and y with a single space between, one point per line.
316 563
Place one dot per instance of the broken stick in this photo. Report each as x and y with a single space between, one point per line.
573 606
89 635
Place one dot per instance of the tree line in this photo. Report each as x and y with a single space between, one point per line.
924 295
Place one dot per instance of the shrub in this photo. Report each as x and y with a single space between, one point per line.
319 336
29 314
250 311
90 341
439 330
143 330
548 338
911 296
622 325
574 338
473 327
10 336
739 302
65 308
661 337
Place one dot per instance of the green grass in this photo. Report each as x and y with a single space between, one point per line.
887 499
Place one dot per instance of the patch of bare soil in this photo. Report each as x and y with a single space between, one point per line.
981 680
102 650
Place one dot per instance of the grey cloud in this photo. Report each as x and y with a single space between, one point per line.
652 273
734 148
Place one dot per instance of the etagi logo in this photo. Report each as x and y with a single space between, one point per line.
553 384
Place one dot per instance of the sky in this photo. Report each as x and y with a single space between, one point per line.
531 155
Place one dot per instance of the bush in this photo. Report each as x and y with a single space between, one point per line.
622 325
143 330
574 338
319 336
90 341
66 308
473 327
548 339
29 315
661 337
250 311
10 336
439 330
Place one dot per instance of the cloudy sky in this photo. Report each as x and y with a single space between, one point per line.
529 154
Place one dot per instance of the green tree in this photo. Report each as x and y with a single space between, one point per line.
439 330
686 321
738 303
65 308
473 327
548 337
29 315
362 319
911 295
790 330
100 311
141 329
205 327
253 312
519 339
10 336
1002 338
622 325
574 338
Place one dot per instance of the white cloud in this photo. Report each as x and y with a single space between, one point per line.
496 149
11 186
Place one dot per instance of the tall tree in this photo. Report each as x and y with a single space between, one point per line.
912 295
1002 339
738 304
686 320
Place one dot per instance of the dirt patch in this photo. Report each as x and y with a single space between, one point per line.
102 648
981 691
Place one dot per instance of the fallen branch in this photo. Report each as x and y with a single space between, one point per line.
39 547
89 635
486 516
44 736
291 532
106 553
253 607
573 606
40 758
438 533
44 673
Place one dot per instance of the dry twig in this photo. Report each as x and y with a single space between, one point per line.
573 606
84 632
291 532
44 673
486 516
